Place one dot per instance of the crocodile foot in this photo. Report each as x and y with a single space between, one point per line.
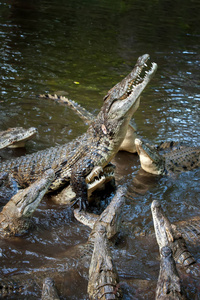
83 204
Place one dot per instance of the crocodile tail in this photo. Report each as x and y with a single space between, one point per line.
85 115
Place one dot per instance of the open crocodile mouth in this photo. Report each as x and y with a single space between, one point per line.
130 88
104 176
141 71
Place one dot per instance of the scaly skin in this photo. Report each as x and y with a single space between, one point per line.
16 137
74 161
190 229
176 161
80 254
96 179
103 279
8 187
16 214
169 285
168 235
110 217
49 291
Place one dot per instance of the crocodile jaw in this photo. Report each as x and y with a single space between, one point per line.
15 216
94 181
16 137
128 102
162 226
150 161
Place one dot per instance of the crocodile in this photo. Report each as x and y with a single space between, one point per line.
175 161
190 229
49 291
16 137
169 286
167 234
74 161
110 217
128 143
103 278
72 258
15 217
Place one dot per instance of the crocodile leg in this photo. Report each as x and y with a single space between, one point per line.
78 183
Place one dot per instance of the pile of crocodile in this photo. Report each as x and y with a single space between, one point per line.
70 173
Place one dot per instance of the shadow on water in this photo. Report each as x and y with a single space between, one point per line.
81 49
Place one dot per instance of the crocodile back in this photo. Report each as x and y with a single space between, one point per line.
190 229
183 159
26 169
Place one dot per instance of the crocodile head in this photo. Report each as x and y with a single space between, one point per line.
16 137
167 234
163 229
123 100
16 214
169 284
110 218
151 161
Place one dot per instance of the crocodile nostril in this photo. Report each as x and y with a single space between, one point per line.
166 251
155 204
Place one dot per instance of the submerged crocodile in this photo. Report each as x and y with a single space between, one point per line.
74 161
169 286
109 219
178 160
15 218
16 137
167 234
103 278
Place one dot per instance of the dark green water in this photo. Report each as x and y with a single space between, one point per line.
81 49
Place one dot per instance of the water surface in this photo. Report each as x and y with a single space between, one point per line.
81 49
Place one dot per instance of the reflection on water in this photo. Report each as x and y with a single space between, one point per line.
81 49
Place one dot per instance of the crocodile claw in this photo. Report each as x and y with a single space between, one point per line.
82 203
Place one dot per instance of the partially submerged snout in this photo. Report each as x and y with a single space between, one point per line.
151 161
162 226
155 204
166 251
16 214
